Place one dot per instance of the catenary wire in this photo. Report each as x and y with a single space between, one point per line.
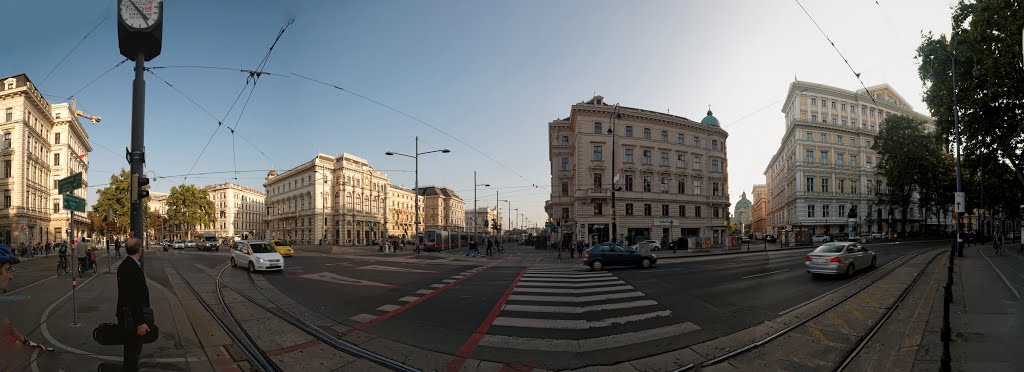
79 43
855 73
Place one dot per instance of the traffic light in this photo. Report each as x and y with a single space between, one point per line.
138 188
486 223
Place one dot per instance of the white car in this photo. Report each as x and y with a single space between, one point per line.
178 244
190 244
820 239
256 255
653 245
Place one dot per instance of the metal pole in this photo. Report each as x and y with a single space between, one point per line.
614 231
475 211
138 148
74 269
417 198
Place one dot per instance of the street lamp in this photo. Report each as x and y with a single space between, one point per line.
614 231
957 247
417 186
475 211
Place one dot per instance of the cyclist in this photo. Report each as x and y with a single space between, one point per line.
13 344
83 256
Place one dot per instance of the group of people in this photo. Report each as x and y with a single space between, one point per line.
493 247
391 245
570 247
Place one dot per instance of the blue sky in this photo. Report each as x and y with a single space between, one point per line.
491 74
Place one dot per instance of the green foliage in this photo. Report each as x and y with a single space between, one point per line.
986 34
906 158
189 207
115 197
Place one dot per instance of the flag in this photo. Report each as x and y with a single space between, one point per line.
83 155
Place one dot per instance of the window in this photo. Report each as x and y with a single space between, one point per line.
629 131
664 209
629 182
844 122
833 120
10 113
629 209
810 211
825 210
680 161
824 137
809 185
814 117
629 156
682 211
565 213
842 107
824 157
842 211
7 168
833 105
696 162
840 157
664 158
867 143
853 187
597 180
647 183
565 189
598 210
714 189
647 133
716 166
822 102
597 153
869 161
696 141
56 160
664 135
565 163
647 209
814 101
810 136
853 160
696 211
696 189
7 139
597 127
681 187
680 139
56 138
714 144
839 140
647 157
714 212
824 185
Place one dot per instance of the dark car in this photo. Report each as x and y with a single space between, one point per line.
616 254
770 238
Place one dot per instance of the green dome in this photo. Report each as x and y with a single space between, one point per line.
709 120
743 202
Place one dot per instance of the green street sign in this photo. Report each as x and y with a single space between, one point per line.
69 183
74 203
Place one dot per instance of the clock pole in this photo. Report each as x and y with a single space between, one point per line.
137 156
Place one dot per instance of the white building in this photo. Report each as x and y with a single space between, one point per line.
239 211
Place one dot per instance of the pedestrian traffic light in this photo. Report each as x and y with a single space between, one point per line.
138 188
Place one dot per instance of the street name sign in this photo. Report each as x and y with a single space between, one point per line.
69 183
74 203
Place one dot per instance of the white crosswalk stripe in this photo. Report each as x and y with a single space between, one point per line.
547 302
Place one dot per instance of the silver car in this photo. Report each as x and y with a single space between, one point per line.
839 258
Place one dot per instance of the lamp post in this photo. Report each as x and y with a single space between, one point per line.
957 248
614 231
416 157
497 212
476 211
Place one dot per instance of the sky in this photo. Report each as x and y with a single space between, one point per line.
481 78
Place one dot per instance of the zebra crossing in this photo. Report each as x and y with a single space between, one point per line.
571 310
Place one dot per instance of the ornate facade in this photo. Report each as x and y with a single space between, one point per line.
401 216
240 211
445 210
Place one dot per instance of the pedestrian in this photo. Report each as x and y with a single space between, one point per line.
490 244
83 257
15 348
380 248
133 311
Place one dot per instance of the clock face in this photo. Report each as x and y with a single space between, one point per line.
140 14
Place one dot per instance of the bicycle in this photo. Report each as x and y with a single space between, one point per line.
63 267
997 247
81 268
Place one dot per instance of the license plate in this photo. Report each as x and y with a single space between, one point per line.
821 260
273 267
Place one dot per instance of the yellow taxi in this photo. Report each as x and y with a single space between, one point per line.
283 247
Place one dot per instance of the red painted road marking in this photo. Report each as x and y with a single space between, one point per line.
222 360
364 325
515 367
296 347
474 340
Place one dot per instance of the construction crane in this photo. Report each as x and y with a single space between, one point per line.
74 108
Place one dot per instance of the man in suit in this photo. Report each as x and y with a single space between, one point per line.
132 298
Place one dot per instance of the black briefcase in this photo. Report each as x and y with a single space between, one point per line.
115 334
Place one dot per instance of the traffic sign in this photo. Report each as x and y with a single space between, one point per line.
74 203
960 202
69 183
111 226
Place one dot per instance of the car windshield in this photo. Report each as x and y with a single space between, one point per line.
830 248
282 242
261 248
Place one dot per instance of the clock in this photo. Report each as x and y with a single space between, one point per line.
140 28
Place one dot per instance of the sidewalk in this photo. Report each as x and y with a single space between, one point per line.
986 316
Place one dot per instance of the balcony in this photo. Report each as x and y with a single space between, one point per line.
599 193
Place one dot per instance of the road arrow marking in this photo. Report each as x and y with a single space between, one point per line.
390 268
335 278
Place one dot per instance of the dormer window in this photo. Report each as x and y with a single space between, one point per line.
57 115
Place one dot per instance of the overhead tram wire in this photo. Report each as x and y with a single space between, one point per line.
855 73
400 112
247 71
79 43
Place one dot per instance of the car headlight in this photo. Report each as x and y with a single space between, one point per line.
260 259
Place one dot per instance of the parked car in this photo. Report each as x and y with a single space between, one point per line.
842 237
839 258
653 245
616 254
770 238
283 247
877 235
820 239
256 256
178 244
745 239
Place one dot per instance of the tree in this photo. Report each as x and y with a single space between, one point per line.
114 198
904 159
156 223
991 100
189 207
